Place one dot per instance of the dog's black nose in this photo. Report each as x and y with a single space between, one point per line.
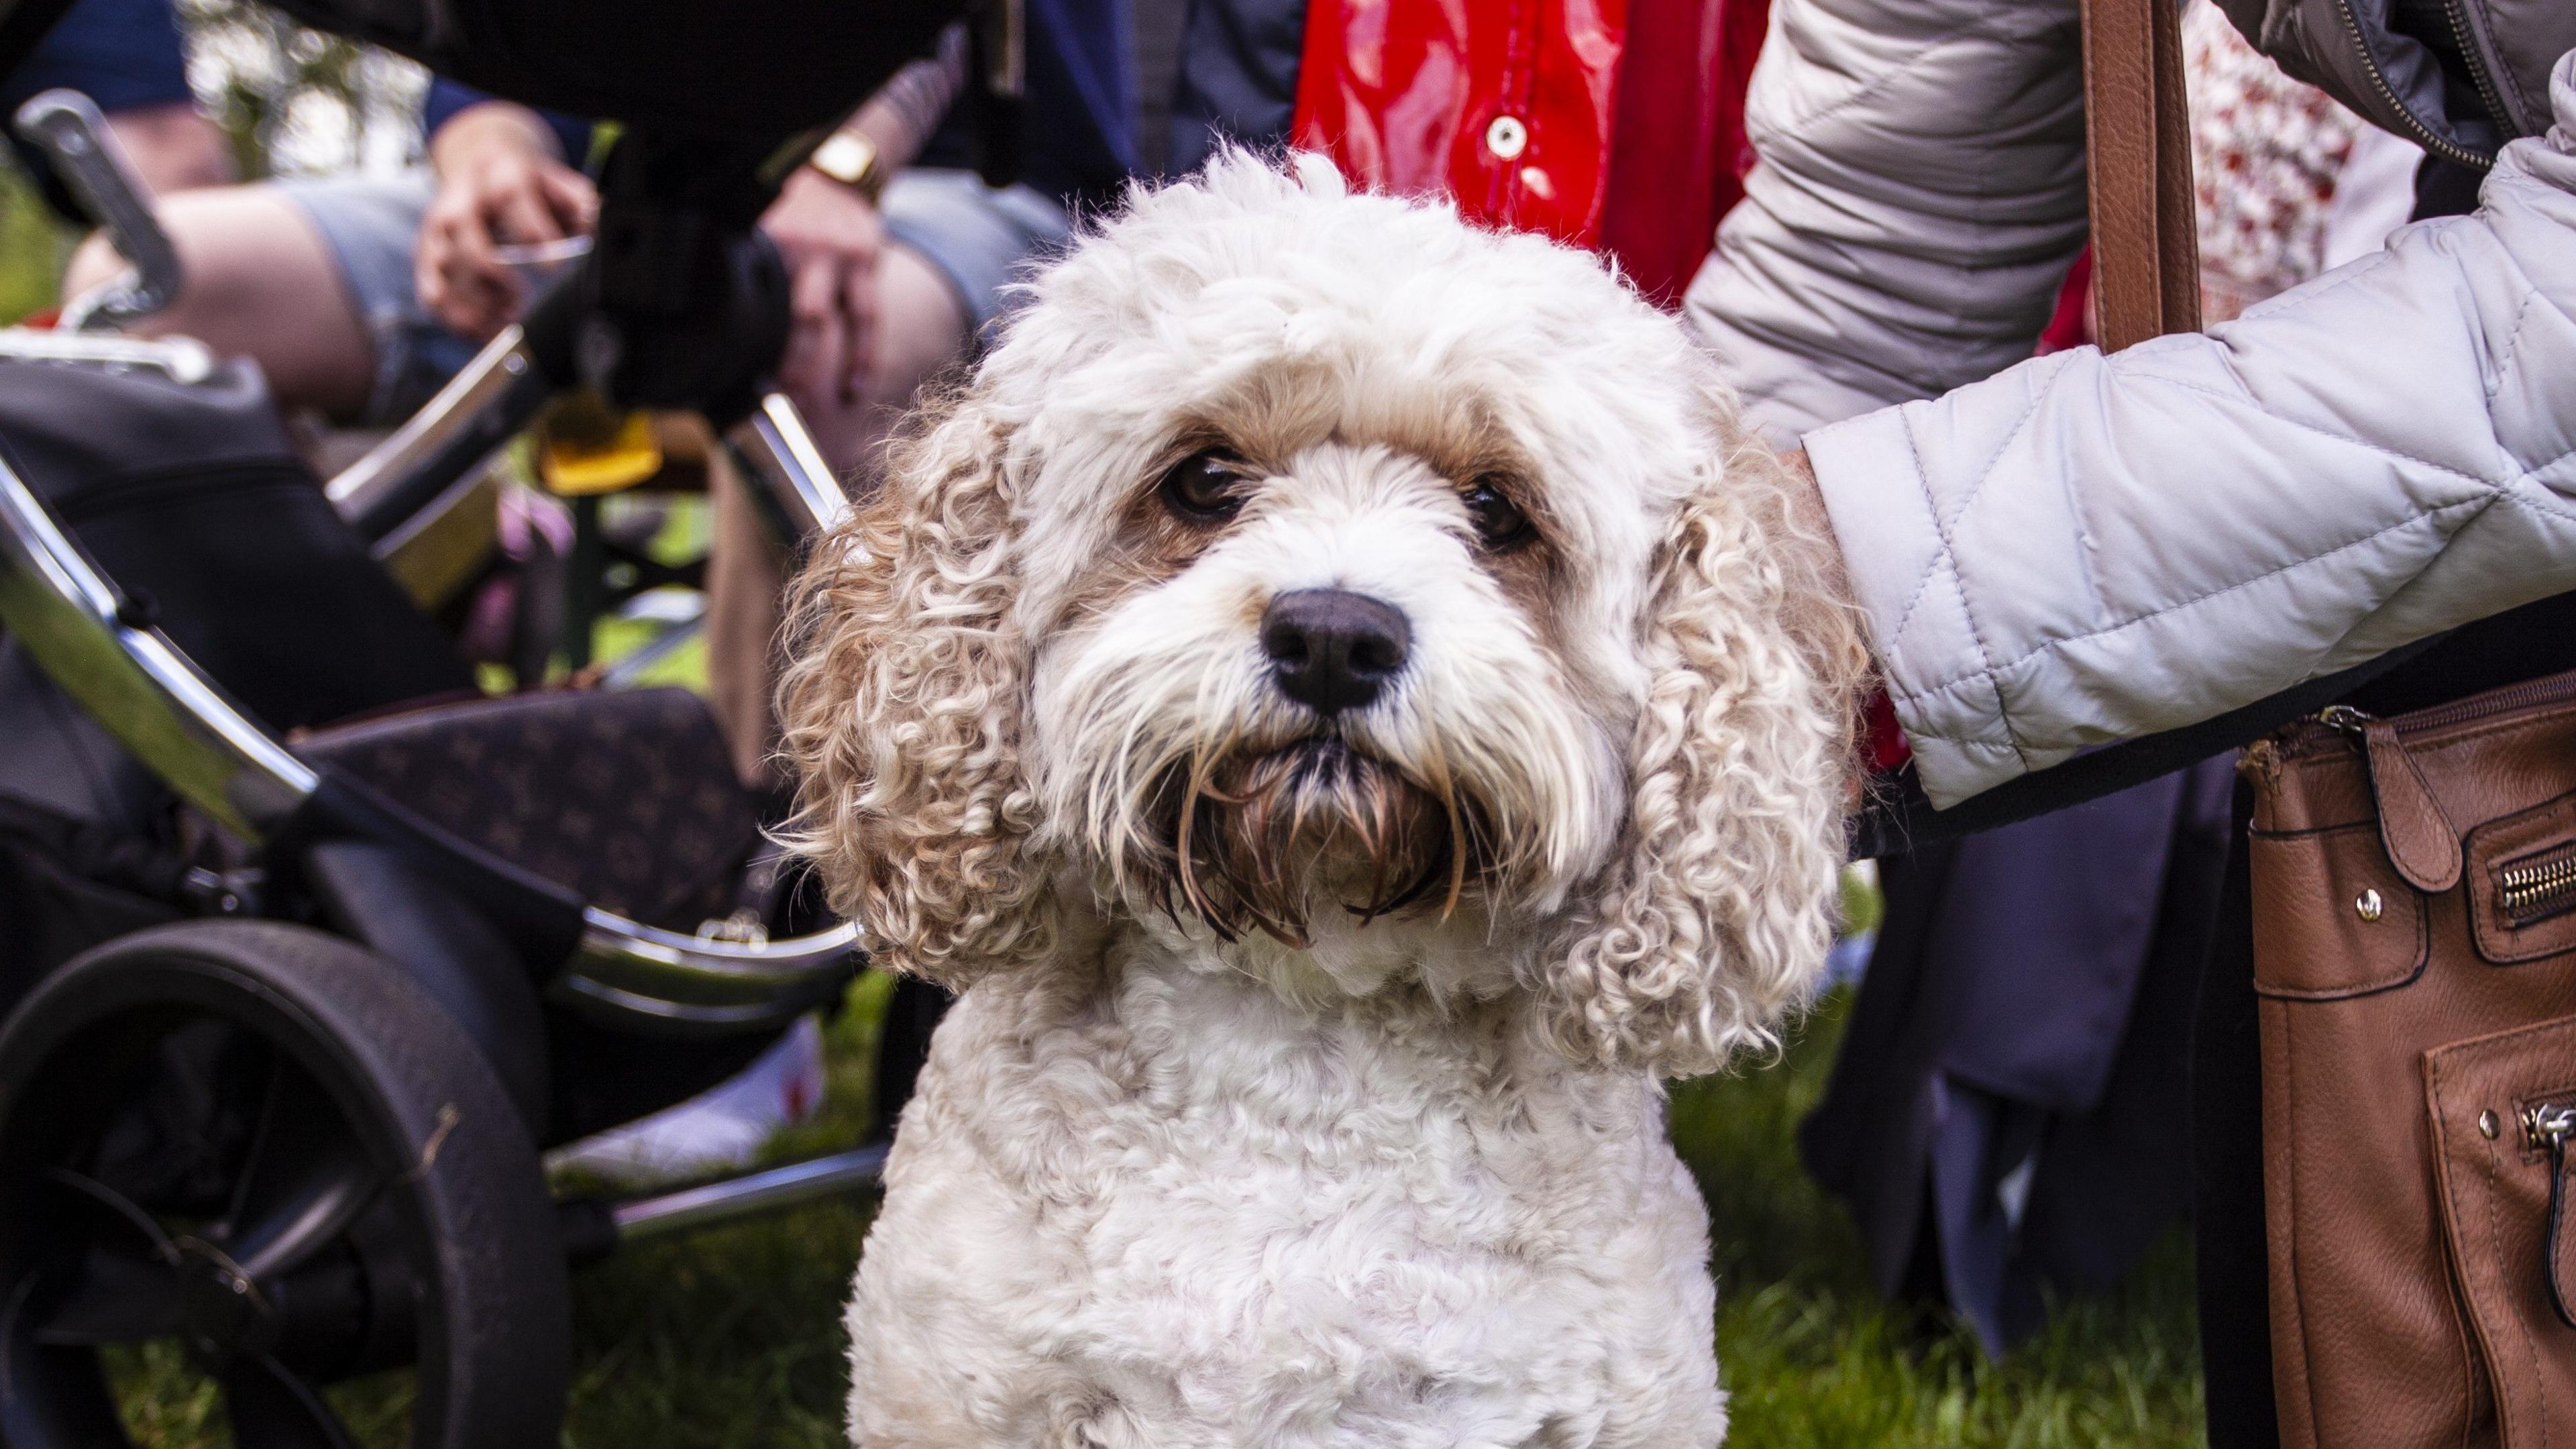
1331 649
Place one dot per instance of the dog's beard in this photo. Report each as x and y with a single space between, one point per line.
1253 839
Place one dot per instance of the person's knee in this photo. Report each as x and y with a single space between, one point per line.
237 255
173 147
259 282
922 327
93 263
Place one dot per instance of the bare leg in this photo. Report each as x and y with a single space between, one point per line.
921 330
261 284
173 148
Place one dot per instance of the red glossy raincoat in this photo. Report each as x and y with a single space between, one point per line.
1612 124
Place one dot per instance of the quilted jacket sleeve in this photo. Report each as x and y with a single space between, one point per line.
1920 194
2084 547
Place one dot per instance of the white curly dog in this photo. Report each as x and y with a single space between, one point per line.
1343 700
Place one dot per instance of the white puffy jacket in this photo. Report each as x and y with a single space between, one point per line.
2083 548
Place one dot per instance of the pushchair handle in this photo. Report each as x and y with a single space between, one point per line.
85 153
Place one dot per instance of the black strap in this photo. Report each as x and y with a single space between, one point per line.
1899 817
2549 1240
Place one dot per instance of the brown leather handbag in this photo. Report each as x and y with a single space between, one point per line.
2415 963
2414 957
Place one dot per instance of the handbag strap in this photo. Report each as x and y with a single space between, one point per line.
2146 249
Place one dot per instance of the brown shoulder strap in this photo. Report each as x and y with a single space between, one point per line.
2146 251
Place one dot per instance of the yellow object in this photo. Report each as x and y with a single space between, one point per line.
439 550
585 447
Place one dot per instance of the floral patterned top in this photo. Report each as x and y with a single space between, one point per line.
2265 153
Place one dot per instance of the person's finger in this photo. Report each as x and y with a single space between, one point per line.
572 197
859 305
470 241
429 267
463 306
466 298
814 305
448 281
800 362
520 209
489 288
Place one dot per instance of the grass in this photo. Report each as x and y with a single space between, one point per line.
32 245
731 1337
1815 1361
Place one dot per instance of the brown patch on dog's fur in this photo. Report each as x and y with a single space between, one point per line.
1150 546
1249 841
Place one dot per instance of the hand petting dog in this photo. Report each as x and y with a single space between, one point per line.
1346 703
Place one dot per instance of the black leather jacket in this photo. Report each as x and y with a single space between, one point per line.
2458 77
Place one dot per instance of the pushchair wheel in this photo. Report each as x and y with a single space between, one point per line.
271 1147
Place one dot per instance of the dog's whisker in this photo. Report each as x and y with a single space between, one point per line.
1457 856
1247 835
1188 874
1380 851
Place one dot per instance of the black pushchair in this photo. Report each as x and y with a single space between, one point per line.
307 949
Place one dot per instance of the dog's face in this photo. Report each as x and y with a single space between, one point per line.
1304 566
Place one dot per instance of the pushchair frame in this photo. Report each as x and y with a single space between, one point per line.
132 680
102 649
429 1243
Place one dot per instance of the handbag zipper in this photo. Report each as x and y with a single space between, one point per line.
2343 719
2546 1127
2439 145
2538 888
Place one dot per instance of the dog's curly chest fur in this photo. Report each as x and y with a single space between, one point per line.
1182 1210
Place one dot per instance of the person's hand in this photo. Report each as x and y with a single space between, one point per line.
1882 746
1808 516
829 236
499 183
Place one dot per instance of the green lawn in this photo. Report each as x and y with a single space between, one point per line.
1812 1357
31 247
731 1337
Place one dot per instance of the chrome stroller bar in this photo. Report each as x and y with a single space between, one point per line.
420 467
797 477
132 680
183 360
755 1192
67 124
467 421
126 675
700 983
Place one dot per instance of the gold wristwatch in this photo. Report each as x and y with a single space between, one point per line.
852 160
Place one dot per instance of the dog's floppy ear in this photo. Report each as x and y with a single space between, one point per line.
1713 917
904 708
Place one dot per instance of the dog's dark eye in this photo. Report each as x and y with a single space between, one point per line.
1206 486
1500 524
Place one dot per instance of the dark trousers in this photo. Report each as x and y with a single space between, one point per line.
2227 1173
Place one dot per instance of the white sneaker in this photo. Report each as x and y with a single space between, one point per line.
722 1127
